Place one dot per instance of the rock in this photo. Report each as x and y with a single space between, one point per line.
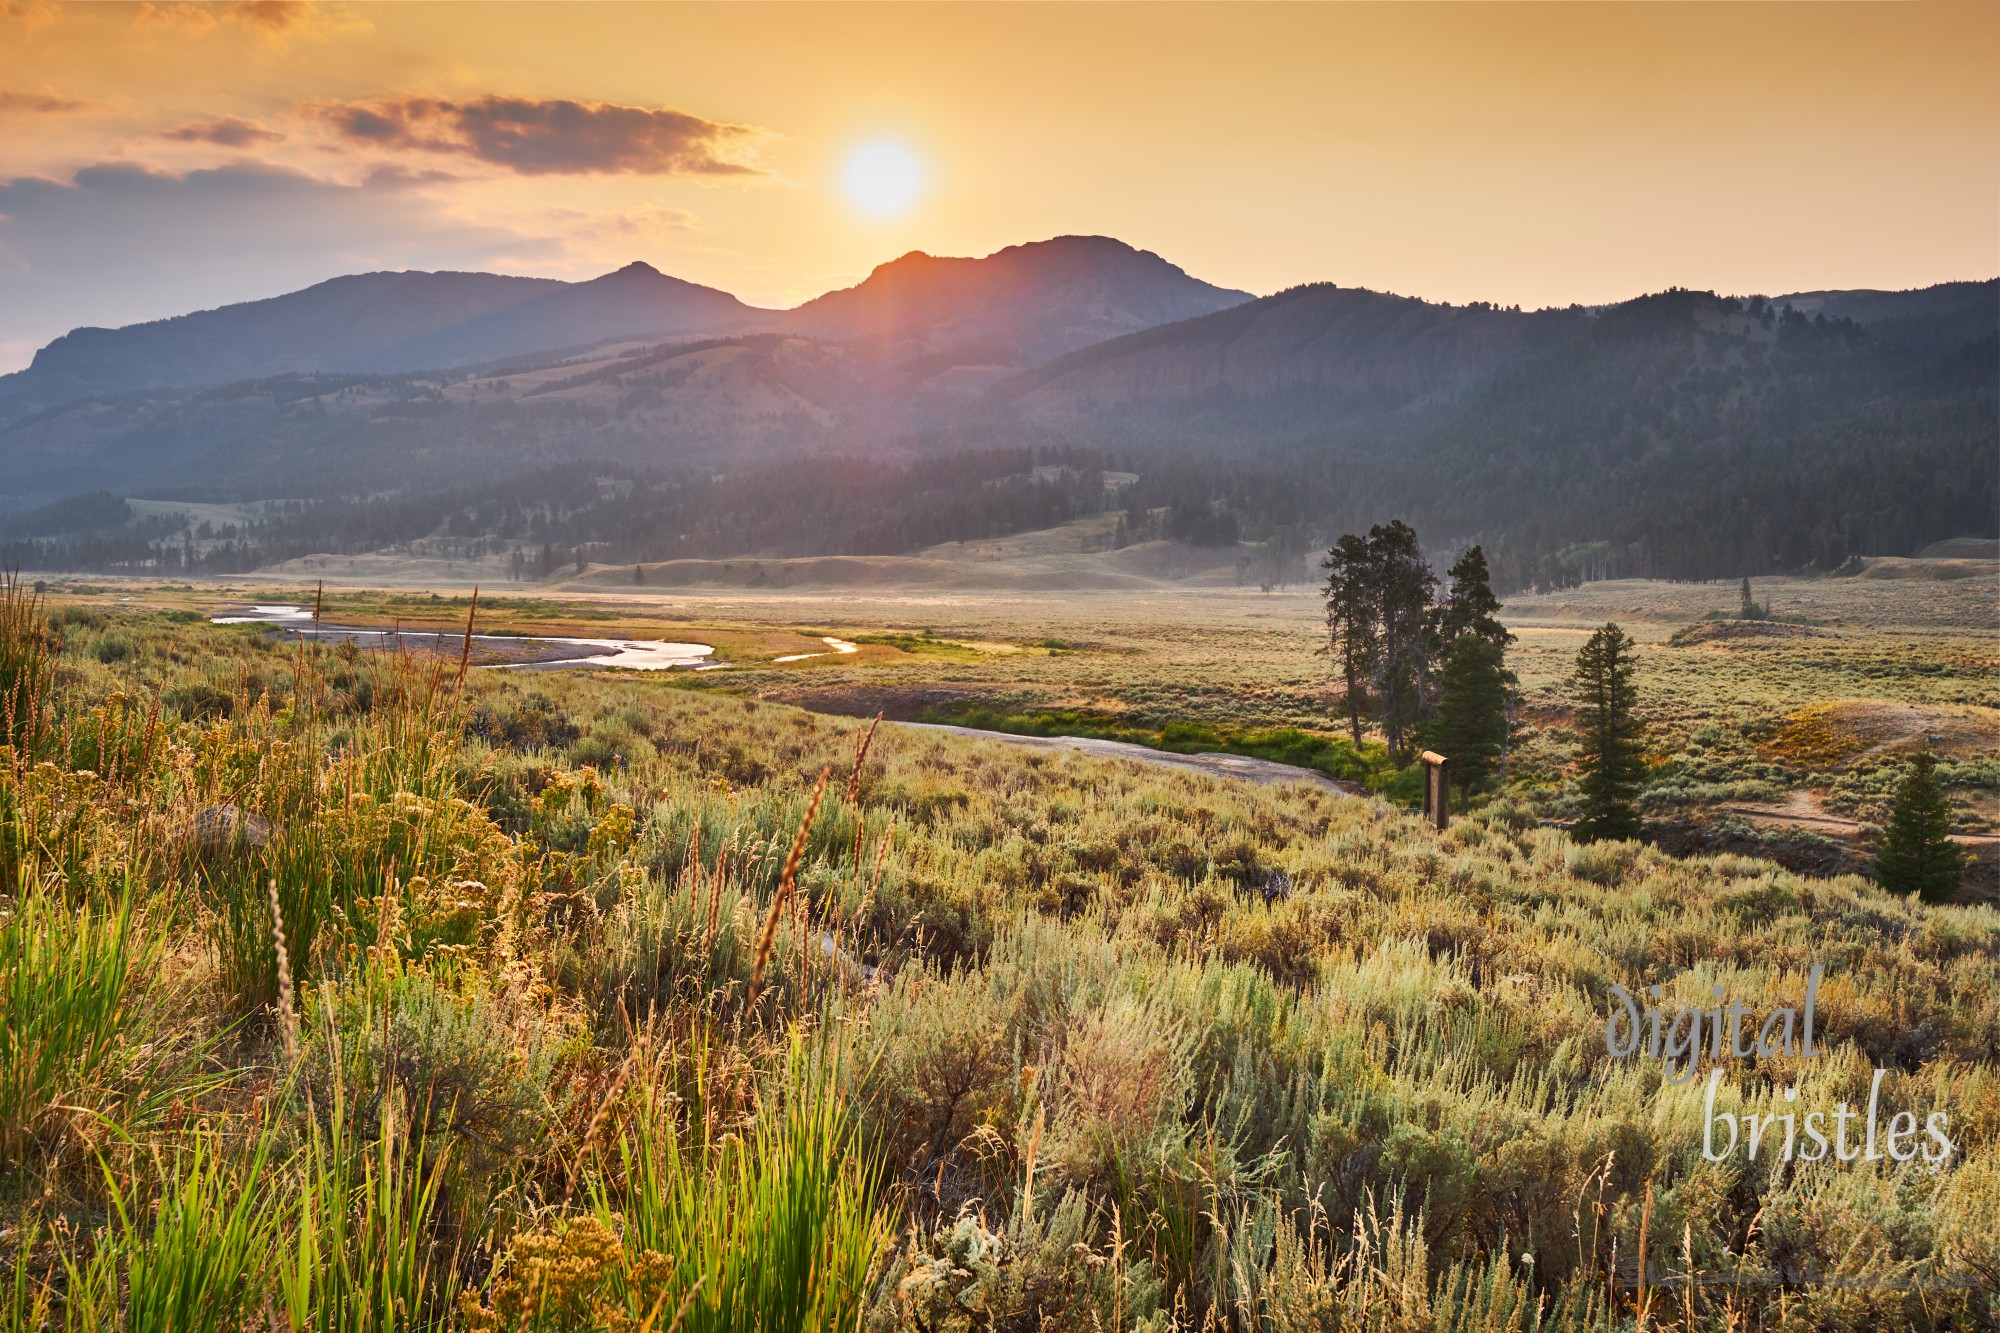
228 828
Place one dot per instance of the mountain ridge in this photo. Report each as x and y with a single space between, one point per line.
1018 305
919 303
1350 349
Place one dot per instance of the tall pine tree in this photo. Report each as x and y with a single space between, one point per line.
1469 724
1469 606
1608 746
1403 586
1917 854
1351 626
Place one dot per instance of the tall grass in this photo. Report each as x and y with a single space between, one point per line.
65 1019
198 1258
26 666
771 1224
361 1253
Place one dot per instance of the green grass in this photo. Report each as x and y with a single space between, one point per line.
926 644
195 1256
1332 755
68 1026
774 1224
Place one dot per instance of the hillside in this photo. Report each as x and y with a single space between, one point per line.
1320 355
1676 435
1694 439
1317 351
1930 318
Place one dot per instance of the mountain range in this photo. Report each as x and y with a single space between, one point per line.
1617 426
1016 307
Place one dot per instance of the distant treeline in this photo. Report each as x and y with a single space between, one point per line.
820 506
1763 515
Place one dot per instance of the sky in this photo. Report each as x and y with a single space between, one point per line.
166 157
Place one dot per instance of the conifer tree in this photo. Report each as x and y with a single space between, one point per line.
1608 748
1469 726
1468 723
1469 606
1351 625
1749 610
1403 585
1917 854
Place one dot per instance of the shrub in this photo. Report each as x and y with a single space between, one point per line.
112 647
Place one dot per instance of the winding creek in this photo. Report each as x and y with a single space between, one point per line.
514 652
834 648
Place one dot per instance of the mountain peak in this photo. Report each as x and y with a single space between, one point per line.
1076 241
915 259
1039 299
638 268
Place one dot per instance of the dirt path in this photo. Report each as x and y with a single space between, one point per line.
1802 810
1261 771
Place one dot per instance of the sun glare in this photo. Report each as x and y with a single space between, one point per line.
883 177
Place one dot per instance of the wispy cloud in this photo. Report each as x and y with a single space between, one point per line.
271 22
38 104
28 15
187 17
229 132
271 16
548 137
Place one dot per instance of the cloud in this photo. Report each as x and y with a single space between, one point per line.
121 242
275 17
38 104
229 132
271 18
271 23
536 138
606 236
28 15
173 14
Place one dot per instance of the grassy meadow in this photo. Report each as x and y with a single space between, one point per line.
357 991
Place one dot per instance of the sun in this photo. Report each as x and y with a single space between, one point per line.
883 177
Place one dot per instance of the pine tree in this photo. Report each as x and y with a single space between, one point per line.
1469 726
1351 625
1917 854
1469 606
1608 748
1403 585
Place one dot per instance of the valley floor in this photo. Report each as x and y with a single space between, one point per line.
1796 724
350 989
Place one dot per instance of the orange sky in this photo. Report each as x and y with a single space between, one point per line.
1532 154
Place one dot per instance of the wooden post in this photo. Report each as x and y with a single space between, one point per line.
1437 789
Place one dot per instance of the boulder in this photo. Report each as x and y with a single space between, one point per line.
229 828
